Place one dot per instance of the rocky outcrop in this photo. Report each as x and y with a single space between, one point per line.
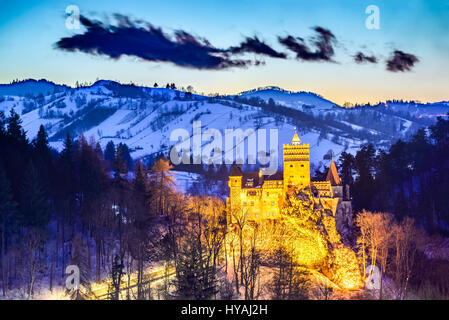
315 242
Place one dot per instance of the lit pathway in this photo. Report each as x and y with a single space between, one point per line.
155 276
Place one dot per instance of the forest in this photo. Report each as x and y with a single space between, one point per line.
118 219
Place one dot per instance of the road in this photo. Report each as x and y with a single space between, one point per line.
155 276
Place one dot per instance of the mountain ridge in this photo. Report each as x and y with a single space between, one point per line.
42 81
144 117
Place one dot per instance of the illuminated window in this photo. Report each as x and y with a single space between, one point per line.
244 203
272 203
268 214
274 214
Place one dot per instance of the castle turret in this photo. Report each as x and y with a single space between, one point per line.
343 212
332 174
334 179
235 185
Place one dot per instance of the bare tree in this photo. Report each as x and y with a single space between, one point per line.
162 181
376 236
406 241
239 222
33 241
251 266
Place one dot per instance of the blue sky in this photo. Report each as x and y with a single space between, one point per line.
30 29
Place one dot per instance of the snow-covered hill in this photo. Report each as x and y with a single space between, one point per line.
144 117
30 87
420 110
297 100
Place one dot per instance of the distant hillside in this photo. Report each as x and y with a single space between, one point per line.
297 100
144 117
31 87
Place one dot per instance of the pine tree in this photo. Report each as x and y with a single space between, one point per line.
7 210
120 167
43 159
34 201
109 152
125 155
98 150
321 175
15 130
41 141
2 125
211 173
68 177
222 172
346 168
140 185
3 136
7 203
93 178
68 150
140 193
364 183
67 191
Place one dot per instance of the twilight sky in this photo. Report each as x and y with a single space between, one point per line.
216 49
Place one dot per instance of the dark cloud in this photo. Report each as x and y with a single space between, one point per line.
149 43
360 57
140 39
401 61
254 45
323 42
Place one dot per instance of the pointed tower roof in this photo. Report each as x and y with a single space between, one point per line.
296 139
332 174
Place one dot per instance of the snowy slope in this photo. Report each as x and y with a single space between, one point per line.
30 87
429 110
297 100
144 117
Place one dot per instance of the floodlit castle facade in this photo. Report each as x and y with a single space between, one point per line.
260 196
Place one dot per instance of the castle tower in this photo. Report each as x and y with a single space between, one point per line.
296 163
343 212
334 179
234 201
332 174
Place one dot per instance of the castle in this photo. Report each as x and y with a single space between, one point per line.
260 196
